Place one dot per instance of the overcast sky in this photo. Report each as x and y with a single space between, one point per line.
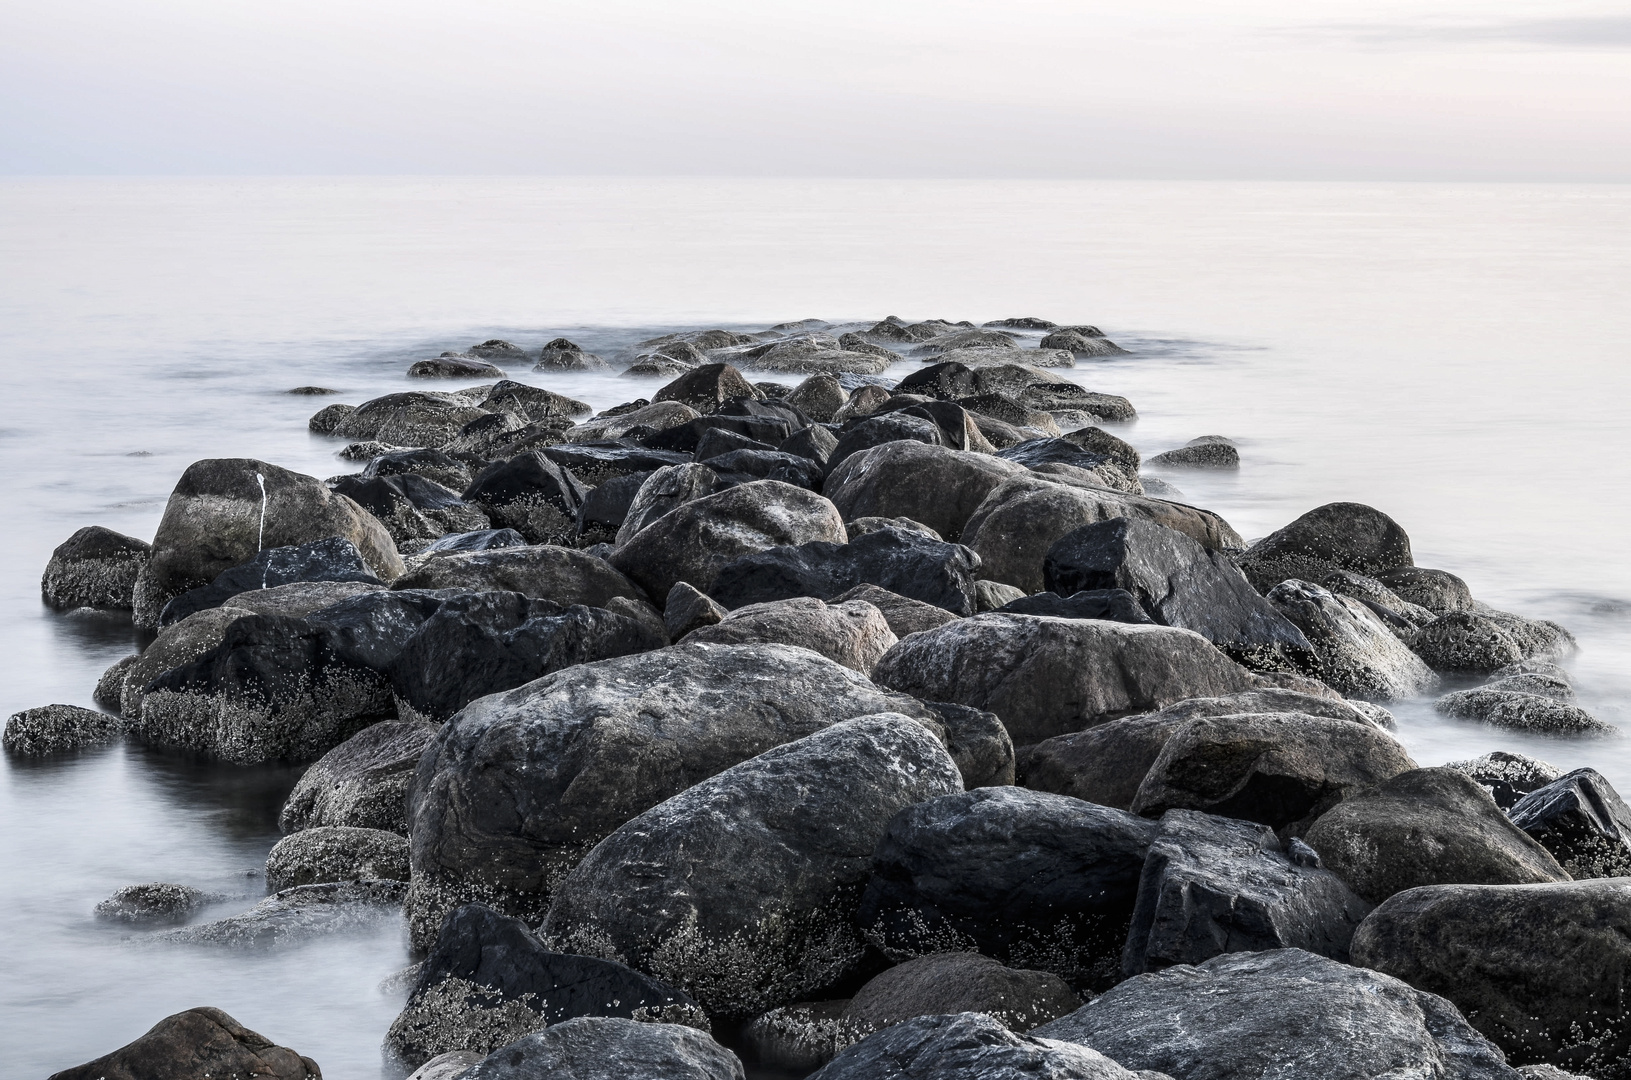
1460 89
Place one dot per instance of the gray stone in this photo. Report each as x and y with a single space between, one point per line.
454 366
1346 536
1355 652
1439 591
296 916
935 485
448 1066
664 490
610 1048
903 614
362 783
707 387
1199 454
563 355
336 853
197 1043
155 902
859 527
853 633
1521 711
95 568
686 610
1467 641
56 729
956 982
818 397
1508 777
546 572
968 1046
801 1038
1582 821
415 418
994 595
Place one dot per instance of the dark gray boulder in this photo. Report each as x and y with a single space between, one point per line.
415 510
1582 821
1427 827
454 366
978 743
818 397
1282 1013
498 349
687 609
662 491
1439 591
151 903
687 437
204 1042
532 495
415 418
561 354
57 729
1035 880
537 405
743 466
594 463
1347 536
742 889
854 634
606 507
546 572
1207 452
1508 777
488 981
1215 885
955 982
1046 676
518 786
477 540
903 614
994 595
94 568
717 441
428 462
707 387
329 417
333 559
1178 583
1115 605
1520 710
336 853
968 1046
610 1048
859 527
1487 640
1539 969
362 783
1053 451
1354 651
816 442
884 428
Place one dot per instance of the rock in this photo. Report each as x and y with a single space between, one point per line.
663 491
94 568
815 442
611 1048
1427 827
959 338
1202 453
325 420
175 646
1081 344
1212 885
1116 605
903 614
882 429
362 783
854 633
1539 969
658 416
859 527
977 743
1098 441
1282 1013
968 1046
687 609
1106 764
905 562
1506 776
742 889
432 464
547 572
517 787
415 418
980 357
535 403
197 1043
488 980
1522 712
562 355
706 387
863 401
1582 821
311 391
1346 536
960 982
1436 590
448 1066
1047 676
413 509
110 687
530 494
1020 324
333 559
298 915
1032 879
1353 650
478 540
1484 641
156 902
499 349
717 441
454 366
801 1038
1529 682
697 539
741 466
1032 451
818 397
935 485
56 729
1281 770
994 595
1020 519
1178 582
336 853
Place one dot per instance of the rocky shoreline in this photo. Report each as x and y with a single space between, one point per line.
857 727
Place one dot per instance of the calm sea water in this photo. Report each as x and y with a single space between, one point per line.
1455 355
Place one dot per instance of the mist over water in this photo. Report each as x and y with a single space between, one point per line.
1454 355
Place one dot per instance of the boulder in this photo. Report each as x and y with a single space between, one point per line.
1207 452
854 634
499 349
1282 1013
1038 881
415 418
94 568
563 355
362 783
298 916
968 1046
454 366
741 466
610 1048
336 853
197 1043
329 417
154 902
657 416
978 743
477 540
1020 519
606 507
432 464
664 490
56 729
903 614
956 982
717 441
546 572
981 357
1178 582
1347 536
859 527
1099 441
594 463
448 1066
518 786
1582 821
1115 605
1506 776
881 429
994 595
175 646
1522 711
818 397
534 403
687 609
488 980
333 559
816 442
1439 591
1539 969
1354 651
1486 640
532 495
906 562
706 388
935 485
697 539
1282 770
226 510
958 338
801 1038
742 889
414 509
1047 676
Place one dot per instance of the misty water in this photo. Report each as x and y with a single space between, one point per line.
1454 355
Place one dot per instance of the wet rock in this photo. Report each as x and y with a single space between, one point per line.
658 416
415 510
362 783
663 491
1038 881
479 540
1081 344
499 349
742 466
981 357
859 527
1484 641
869 360
1285 1012
881 429
95 568
606 507
156 902
448 1066
175 646
977 743
906 562
687 609
534 403
611 1048
333 559
1346 536
801 1038
432 464
959 338
415 418
1207 452
56 729
298 915
562 574
1436 590
1047 676
742 889
1508 777
199 1042
325 420
224 511
1062 394
454 366
1522 711
562 355
311 391
818 397
696 540
1582 821
854 634
1116 605
968 1045
706 387
863 401
1033 451
815 442
960 982
518 786
1427 827
336 853
1280 770
1354 651
1027 323
1539 969
717 441
935 485
530 494
903 614
488 980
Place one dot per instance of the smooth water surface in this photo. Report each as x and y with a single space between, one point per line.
1455 355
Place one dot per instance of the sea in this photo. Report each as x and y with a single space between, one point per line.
1456 355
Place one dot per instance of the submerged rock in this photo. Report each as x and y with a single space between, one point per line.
1207 452
94 568
362 783
57 729
454 366
415 418
563 355
1344 536
201 1042
155 902
298 915
1506 776
1522 711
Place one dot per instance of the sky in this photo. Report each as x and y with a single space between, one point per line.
1174 89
